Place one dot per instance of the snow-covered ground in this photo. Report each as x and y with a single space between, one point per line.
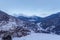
0 38
39 36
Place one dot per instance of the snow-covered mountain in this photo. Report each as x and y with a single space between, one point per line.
49 24
52 22
35 19
12 25
22 26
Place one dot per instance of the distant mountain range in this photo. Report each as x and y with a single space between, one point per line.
22 25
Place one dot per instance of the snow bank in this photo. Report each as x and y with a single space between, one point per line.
39 36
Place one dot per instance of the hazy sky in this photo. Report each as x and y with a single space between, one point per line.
30 7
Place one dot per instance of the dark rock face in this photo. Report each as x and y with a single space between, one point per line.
7 37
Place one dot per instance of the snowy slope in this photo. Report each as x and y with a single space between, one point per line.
39 36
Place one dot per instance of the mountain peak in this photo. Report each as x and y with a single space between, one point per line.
3 16
2 13
58 13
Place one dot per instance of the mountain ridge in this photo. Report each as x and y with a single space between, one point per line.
22 26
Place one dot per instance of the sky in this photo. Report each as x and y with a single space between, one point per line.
41 8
